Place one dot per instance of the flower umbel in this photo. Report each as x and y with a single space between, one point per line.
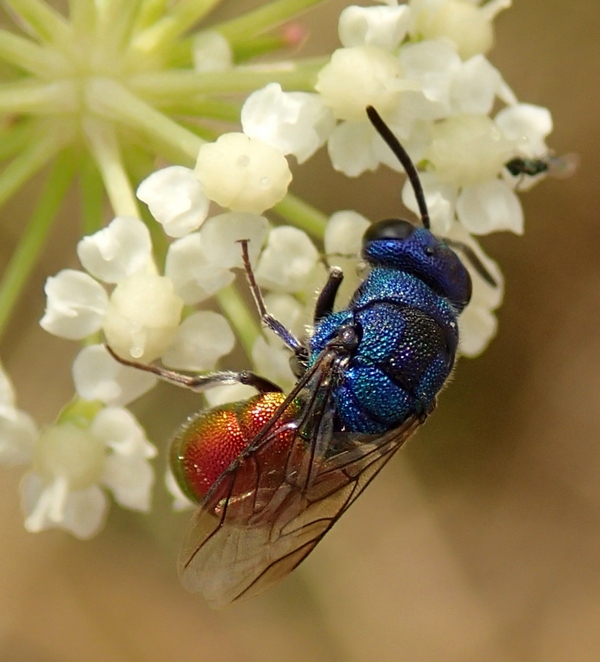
112 89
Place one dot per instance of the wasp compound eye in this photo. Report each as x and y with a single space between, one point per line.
392 228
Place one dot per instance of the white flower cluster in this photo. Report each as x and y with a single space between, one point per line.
422 66
72 461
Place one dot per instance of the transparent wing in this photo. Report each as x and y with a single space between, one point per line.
267 512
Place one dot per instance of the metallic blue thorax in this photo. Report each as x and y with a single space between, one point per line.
405 314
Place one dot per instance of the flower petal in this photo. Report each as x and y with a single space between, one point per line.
51 505
475 86
273 363
76 305
528 126
384 27
130 479
119 250
7 390
344 233
18 434
118 429
295 123
202 339
351 148
180 501
97 376
194 275
288 260
176 199
221 235
440 198
490 207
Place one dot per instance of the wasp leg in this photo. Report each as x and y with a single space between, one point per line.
326 299
267 319
199 383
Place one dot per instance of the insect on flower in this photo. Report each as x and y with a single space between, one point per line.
557 166
274 473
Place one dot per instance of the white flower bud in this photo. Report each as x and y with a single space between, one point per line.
468 149
142 317
118 250
359 77
295 123
384 27
462 21
76 305
176 199
202 339
288 260
211 52
242 173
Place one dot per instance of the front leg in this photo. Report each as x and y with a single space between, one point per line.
326 299
200 383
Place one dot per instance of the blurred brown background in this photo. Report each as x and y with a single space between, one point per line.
479 543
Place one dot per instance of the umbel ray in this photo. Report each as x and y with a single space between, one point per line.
272 474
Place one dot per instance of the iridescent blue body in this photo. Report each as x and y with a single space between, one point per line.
405 316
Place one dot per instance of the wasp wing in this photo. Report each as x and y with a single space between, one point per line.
267 512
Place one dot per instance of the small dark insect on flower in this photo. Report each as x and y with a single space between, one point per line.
272 474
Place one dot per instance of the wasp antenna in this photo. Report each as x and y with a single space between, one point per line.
411 172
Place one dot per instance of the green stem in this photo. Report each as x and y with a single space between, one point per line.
263 18
92 198
150 12
291 76
302 215
37 98
83 16
13 139
41 149
179 19
47 23
28 56
205 107
244 323
26 255
114 102
105 148
116 24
